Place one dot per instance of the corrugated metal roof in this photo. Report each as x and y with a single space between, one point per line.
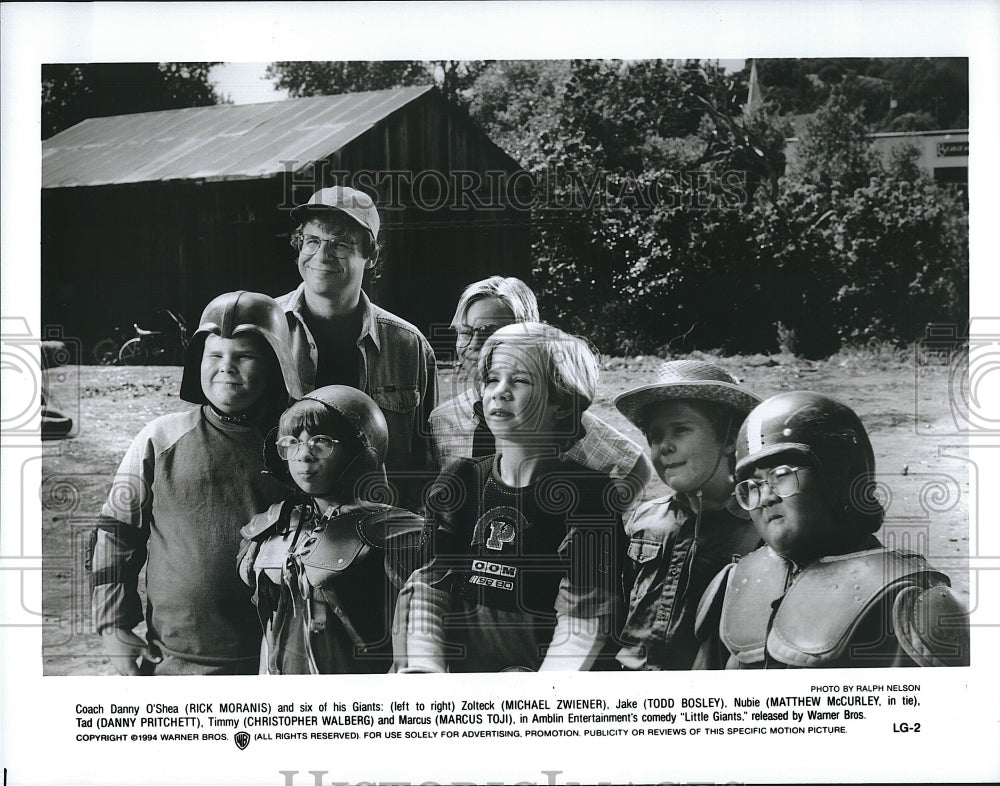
223 142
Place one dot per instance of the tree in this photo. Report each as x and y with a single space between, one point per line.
617 235
519 104
74 92
751 141
861 250
788 83
836 152
913 121
938 86
316 78
630 115
888 86
843 250
332 77
455 78
628 110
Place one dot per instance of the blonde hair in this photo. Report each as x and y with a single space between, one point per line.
568 363
511 292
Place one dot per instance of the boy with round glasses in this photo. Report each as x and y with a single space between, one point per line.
822 591
322 564
339 337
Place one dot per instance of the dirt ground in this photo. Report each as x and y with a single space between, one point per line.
923 467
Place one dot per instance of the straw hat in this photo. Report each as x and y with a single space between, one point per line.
692 379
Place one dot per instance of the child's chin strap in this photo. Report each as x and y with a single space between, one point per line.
701 508
256 415
226 417
715 468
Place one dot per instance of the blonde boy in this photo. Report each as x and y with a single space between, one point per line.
526 552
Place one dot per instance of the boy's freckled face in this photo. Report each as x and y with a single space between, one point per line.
234 371
799 527
683 446
515 397
317 476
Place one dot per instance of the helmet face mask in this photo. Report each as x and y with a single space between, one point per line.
237 314
816 430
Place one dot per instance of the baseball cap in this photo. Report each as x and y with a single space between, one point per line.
357 204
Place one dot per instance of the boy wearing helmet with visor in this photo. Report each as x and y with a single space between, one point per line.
184 488
822 591
325 565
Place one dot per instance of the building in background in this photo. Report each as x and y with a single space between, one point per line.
944 155
168 209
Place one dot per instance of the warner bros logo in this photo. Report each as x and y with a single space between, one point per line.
242 739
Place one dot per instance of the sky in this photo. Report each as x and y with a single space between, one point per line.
244 83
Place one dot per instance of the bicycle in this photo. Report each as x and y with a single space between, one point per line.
156 346
105 351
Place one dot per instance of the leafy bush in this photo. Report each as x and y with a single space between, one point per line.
845 250
875 251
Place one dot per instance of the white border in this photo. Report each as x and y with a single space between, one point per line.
36 724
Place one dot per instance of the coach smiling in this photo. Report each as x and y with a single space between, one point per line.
340 338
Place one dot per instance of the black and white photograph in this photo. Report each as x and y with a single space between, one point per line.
524 348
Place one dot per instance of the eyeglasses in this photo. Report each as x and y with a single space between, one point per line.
311 244
466 333
319 446
783 481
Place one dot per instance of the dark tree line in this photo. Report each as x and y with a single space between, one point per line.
847 249
76 91
894 94
454 78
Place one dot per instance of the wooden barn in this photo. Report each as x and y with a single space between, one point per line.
168 209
